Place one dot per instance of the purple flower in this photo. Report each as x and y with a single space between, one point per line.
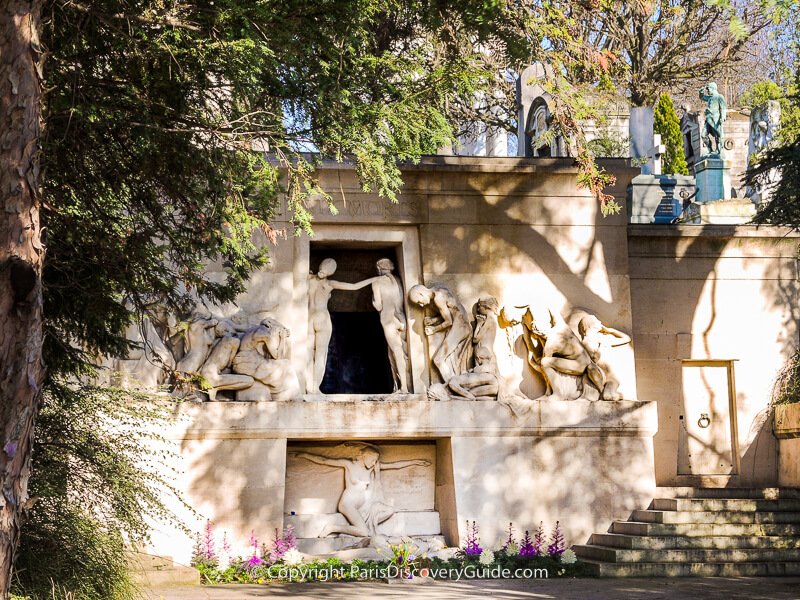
282 543
527 547
472 546
557 542
252 562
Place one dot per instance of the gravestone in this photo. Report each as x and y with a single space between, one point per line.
655 197
658 198
641 135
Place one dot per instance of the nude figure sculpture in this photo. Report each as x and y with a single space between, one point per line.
320 288
197 341
452 355
387 299
480 382
362 503
264 354
220 359
598 339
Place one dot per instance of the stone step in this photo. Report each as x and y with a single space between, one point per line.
723 516
150 570
725 504
729 493
649 542
704 529
741 569
409 523
686 555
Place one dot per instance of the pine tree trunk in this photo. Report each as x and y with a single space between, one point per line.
21 257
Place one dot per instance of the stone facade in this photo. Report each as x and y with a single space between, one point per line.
518 234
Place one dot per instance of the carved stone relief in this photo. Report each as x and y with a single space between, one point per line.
571 363
362 503
479 380
448 329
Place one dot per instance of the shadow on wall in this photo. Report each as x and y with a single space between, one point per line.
582 480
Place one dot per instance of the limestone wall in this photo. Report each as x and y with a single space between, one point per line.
787 430
711 310
713 292
517 229
582 463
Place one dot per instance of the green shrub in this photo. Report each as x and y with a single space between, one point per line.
786 389
665 122
95 482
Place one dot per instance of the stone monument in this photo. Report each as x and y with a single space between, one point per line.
572 361
655 197
764 125
362 503
448 329
320 289
387 299
711 170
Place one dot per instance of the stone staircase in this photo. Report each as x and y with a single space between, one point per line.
150 570
703 532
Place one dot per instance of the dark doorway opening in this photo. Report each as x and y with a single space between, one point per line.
358 359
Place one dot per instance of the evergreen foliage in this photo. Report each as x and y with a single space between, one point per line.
784 205
96 482
665 122
158 114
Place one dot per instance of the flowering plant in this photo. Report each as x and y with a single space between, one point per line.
282 543
526 546
487 557
510 545
557 542
204 549
472 546
254 560
404 557
568 557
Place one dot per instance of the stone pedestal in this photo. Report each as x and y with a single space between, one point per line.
723 212
657 198
713 177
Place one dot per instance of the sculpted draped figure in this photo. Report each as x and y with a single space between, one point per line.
320 288
387 299
362 503
449 331
481 382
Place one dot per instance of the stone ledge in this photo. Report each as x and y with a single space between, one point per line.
710 231
360 417
787 421
408 523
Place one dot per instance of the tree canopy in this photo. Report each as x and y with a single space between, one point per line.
157 116
658 46
169 131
